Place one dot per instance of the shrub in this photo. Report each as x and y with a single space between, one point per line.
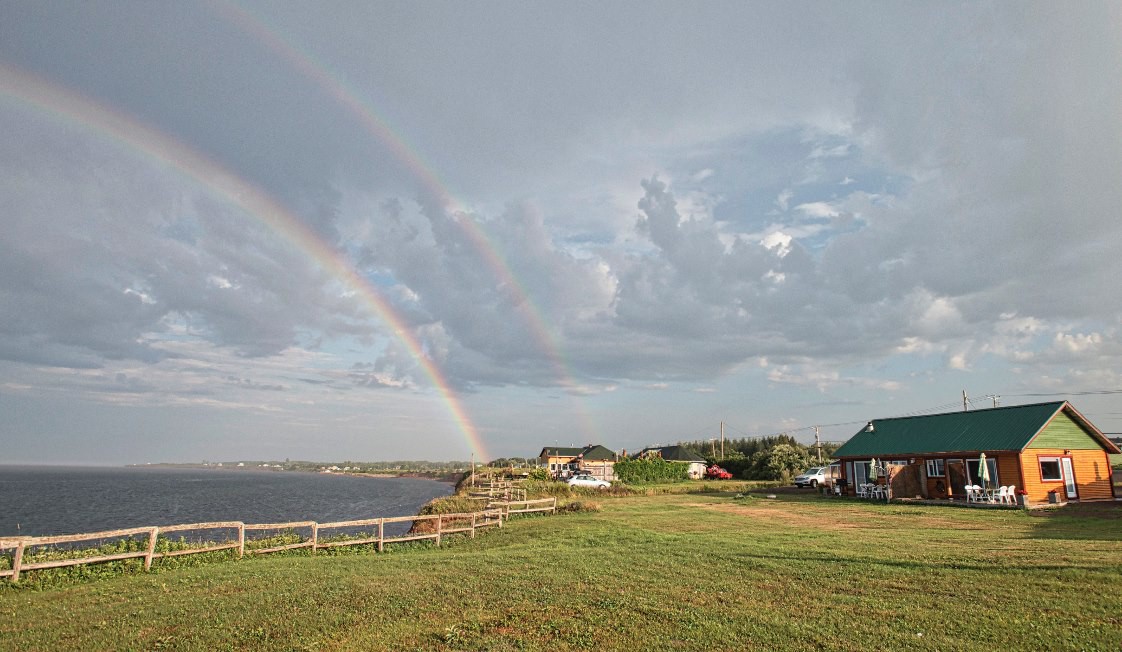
639 470
580 506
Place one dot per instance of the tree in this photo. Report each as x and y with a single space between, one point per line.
780 462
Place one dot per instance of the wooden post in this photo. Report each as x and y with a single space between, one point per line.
381 533
439 526
315 537
17 561
473 525
151 548
241 540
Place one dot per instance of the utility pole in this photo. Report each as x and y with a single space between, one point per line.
818 444
965 404
722 440
994 397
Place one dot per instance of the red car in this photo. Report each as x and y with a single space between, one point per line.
717 473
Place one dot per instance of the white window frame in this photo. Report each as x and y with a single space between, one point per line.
1059 469
937 468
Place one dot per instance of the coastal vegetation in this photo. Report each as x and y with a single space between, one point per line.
778 458
657 570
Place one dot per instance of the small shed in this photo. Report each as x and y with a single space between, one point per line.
1039 448
695 463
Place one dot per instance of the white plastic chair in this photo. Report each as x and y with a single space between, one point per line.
862 491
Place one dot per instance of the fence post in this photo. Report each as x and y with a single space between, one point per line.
17 561
151 548
381 533
439 524
554 505
473 524
315 536
241 539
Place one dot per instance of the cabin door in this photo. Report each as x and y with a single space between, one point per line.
956 477
1069 477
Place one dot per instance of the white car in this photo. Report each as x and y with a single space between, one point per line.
818 475
585 480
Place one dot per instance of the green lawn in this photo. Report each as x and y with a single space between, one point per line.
667 572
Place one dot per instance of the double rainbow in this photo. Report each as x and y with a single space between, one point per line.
76 109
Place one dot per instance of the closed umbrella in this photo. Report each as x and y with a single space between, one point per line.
983 470
873 470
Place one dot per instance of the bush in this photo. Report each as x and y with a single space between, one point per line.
640 470
579 506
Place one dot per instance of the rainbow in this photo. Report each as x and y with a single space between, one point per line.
77 109
376 126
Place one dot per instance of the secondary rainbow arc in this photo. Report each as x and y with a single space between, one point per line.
78 109
378 127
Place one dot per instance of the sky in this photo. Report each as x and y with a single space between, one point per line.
379 231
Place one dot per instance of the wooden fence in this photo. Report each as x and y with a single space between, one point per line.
429 526
509 507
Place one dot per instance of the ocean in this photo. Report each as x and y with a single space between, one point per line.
41 500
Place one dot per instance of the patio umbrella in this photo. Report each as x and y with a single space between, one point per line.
983 470
873 470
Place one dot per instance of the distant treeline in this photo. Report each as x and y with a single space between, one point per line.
779 457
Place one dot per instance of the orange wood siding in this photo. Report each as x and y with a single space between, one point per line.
1009 470
1092 474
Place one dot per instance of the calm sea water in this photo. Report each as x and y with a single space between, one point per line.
37 501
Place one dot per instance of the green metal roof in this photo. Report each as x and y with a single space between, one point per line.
994 429
674 453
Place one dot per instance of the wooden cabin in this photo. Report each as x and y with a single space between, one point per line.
1039 448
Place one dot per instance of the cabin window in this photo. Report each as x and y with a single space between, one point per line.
935 469
1050 469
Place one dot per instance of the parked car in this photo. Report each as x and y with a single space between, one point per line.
818 475
717 473
585 480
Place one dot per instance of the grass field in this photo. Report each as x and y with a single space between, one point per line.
667 572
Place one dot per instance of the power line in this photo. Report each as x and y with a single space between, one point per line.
986 399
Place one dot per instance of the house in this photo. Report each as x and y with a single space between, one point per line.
696 463
1039 448
592 459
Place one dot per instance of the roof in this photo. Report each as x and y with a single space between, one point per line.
993 429
592 452
597 453
673 453
554 451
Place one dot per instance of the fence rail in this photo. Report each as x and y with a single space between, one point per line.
509 507
429 526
